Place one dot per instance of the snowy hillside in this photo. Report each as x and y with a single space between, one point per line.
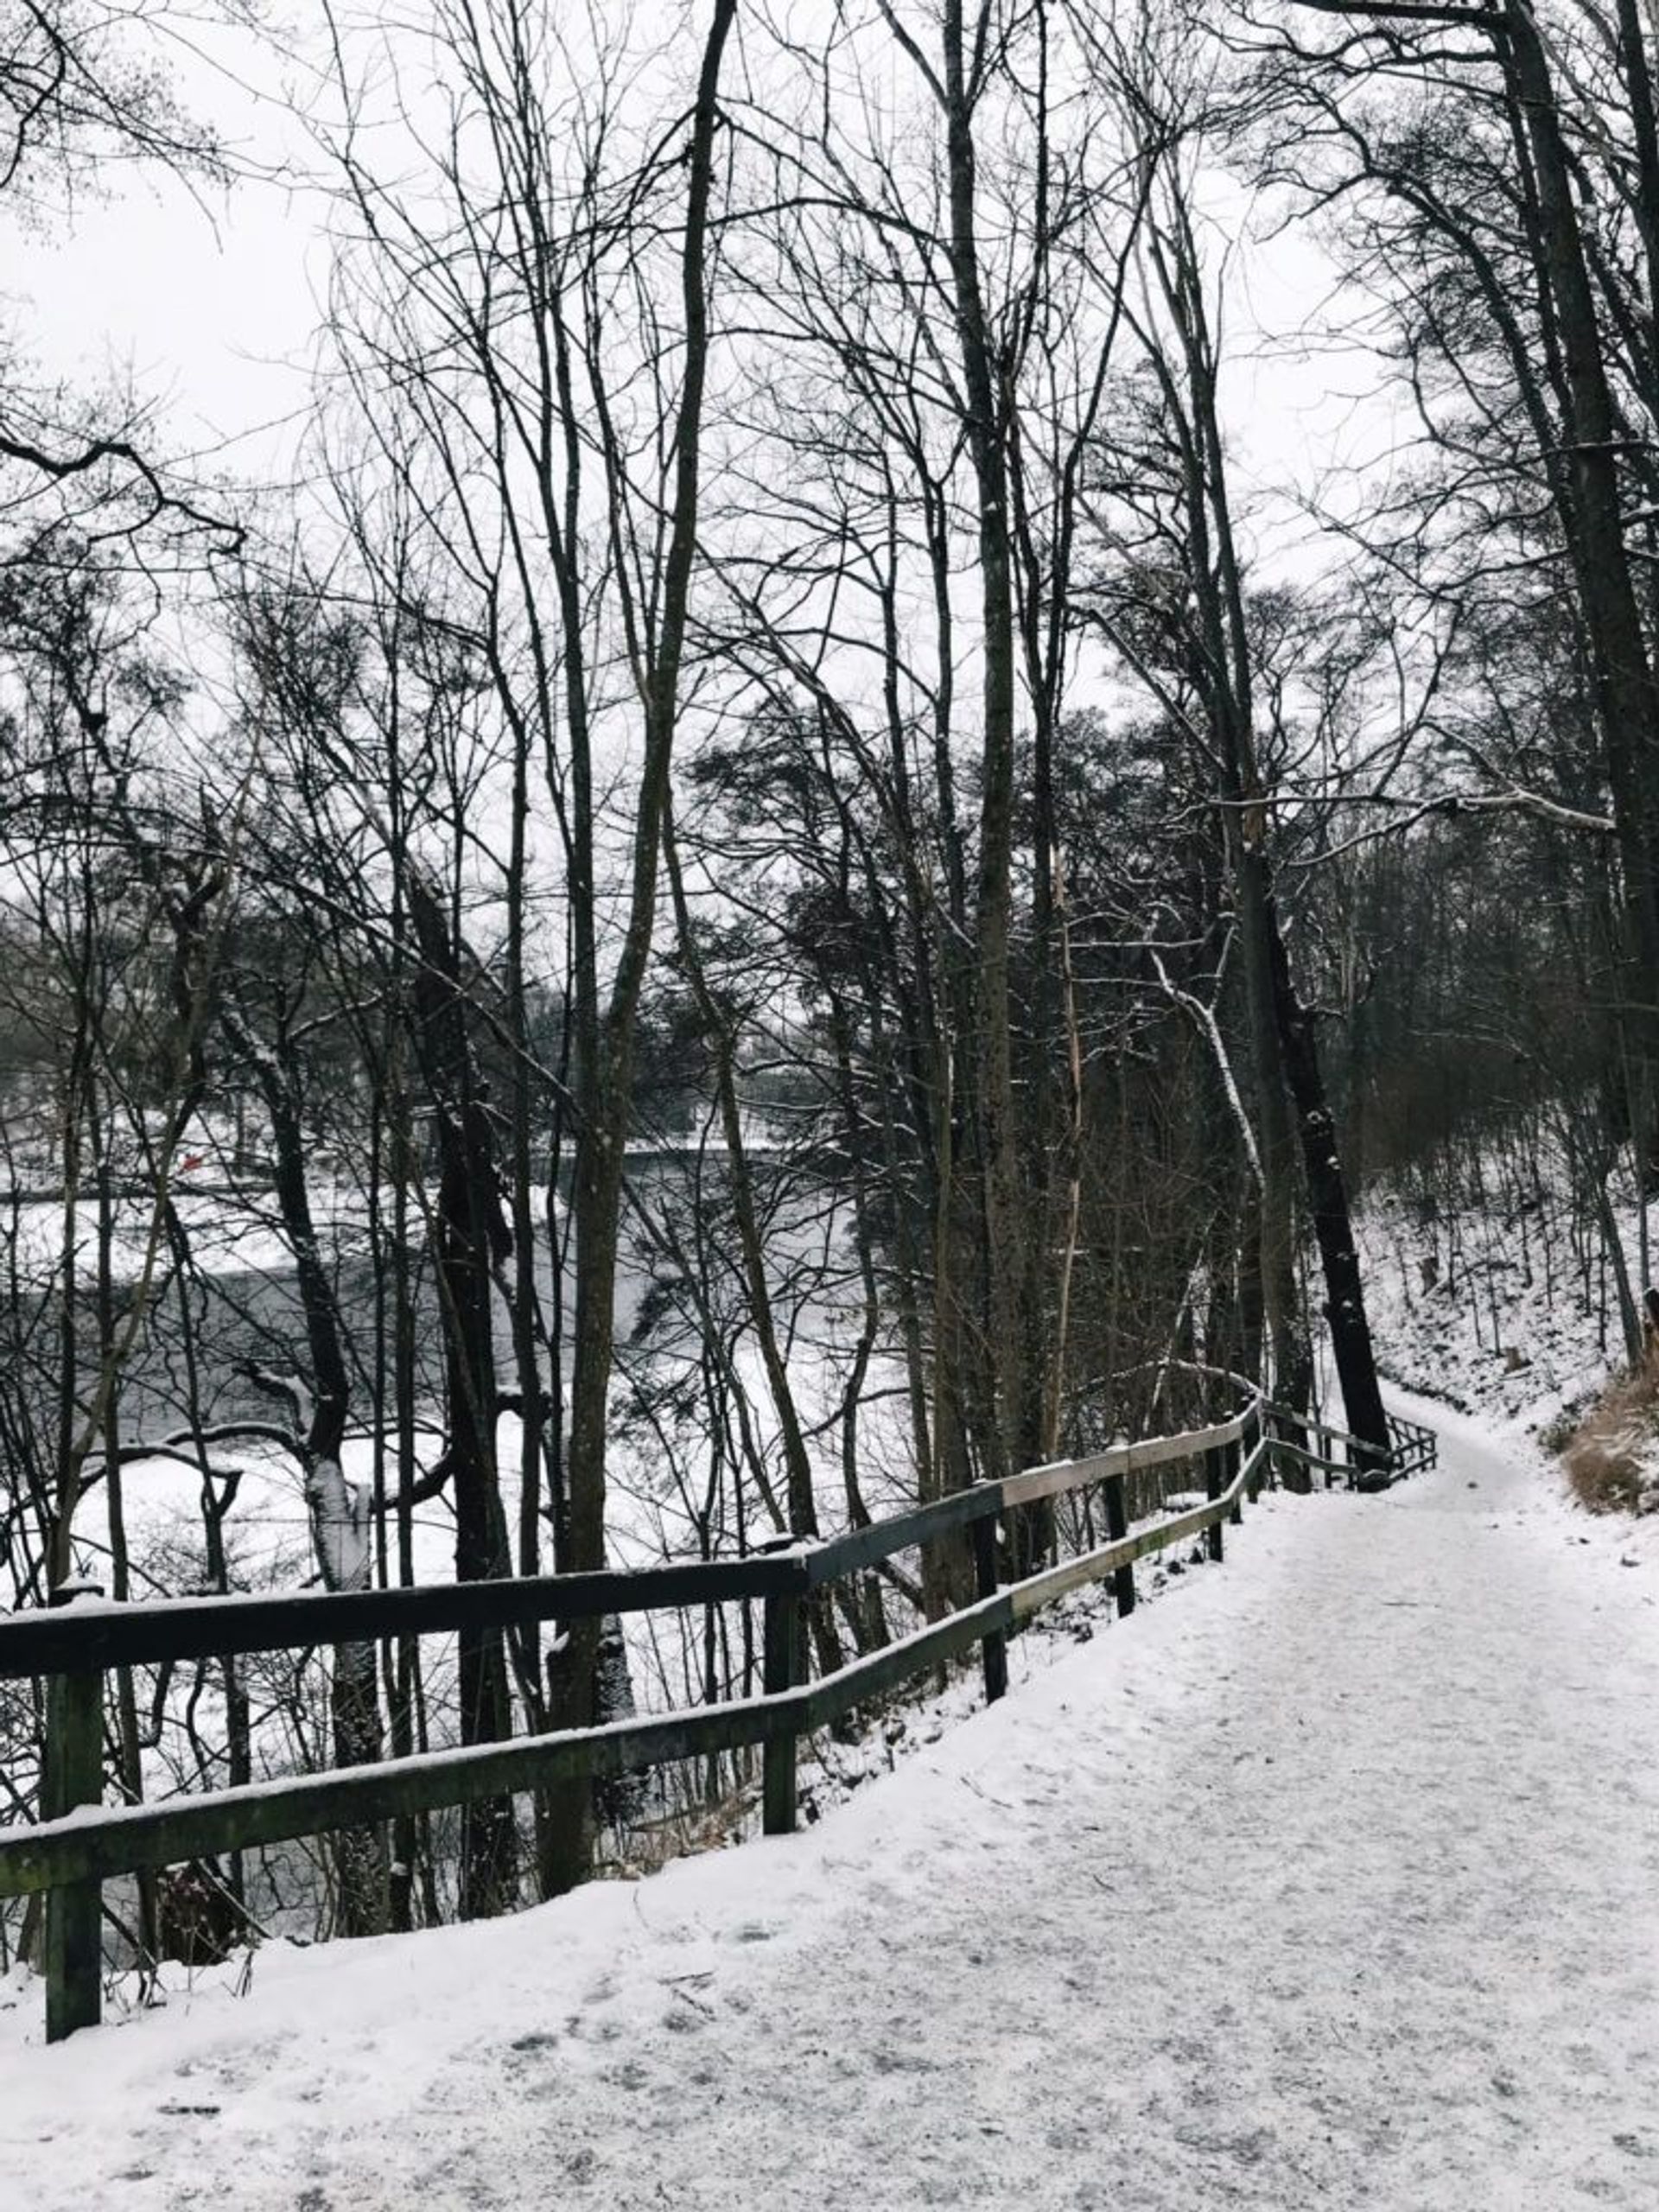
1504 1305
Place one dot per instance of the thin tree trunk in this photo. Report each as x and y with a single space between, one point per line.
606 1049
472 1238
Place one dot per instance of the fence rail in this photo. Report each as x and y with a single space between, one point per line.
80 1843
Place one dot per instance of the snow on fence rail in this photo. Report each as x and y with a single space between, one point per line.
79 1843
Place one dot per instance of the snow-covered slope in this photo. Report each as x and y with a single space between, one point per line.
1497 1296
1464 1306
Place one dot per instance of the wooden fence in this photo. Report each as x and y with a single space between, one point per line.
78 1843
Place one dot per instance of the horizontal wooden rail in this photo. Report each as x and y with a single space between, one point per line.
839 1556
1285 1450
1093 1567
1415 1446
84 1843
1024 1489
93 1844
1412 1447
93 1635
90 1635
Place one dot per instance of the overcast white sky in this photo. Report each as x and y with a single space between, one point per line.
208 300
211 304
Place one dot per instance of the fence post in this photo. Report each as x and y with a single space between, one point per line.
1235 1460
1215 1483
994 1648
1118 1525
782 1667
74 1775
1265 1428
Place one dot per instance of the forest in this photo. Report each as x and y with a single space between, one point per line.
934 686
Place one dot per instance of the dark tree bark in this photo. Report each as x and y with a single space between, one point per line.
1006 1239
1344 1294
606 1046
473 1239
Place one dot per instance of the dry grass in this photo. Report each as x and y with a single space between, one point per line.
1559 1431
1611 1455
646 1847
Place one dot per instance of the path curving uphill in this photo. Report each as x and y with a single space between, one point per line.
1331 1879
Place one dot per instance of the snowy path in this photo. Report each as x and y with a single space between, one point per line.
1331 1879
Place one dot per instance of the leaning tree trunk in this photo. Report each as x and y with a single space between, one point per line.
1345 1307
1222 669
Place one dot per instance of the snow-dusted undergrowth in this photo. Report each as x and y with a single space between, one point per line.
1500 1301
1493 1290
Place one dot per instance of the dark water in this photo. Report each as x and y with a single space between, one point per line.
225 1320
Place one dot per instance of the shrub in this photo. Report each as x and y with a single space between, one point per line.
1610 1456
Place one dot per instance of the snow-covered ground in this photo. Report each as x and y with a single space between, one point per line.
1331 1879
1504 1310
1500 1304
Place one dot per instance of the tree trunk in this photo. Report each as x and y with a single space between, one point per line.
339 1510
1014 1402
472 1236
605 1075
1345 1307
